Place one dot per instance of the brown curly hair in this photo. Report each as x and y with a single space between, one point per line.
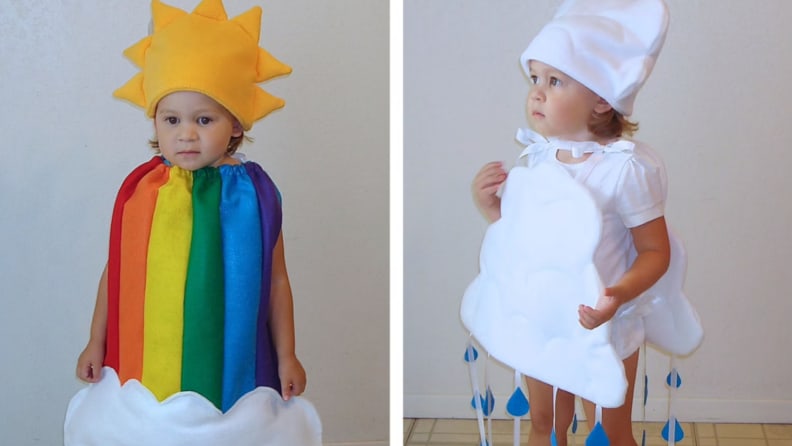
611 124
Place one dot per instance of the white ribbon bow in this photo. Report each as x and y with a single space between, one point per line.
536 143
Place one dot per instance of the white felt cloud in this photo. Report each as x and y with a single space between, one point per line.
106 413
672 324
536 268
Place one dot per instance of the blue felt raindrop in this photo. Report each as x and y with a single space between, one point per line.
517 406
467 353
487 404
574 424
679 434
481 400
597 437
490 402
678 379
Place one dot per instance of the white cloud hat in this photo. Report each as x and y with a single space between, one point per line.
610 46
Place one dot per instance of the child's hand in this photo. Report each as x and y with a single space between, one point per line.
89 364
292 377
606 307
485 186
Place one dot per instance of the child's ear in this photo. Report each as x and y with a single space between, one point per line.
237 129
602 106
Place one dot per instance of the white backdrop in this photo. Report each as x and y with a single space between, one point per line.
67 145
716 108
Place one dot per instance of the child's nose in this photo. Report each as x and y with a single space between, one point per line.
537 93
187 132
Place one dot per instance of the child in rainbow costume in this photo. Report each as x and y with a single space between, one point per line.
578 268
192 339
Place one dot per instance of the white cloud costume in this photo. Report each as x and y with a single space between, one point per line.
107 413
564 232
536 268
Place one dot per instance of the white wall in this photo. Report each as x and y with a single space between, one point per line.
717 108
67 145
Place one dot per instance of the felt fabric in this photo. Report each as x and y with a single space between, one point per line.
671 322
628 183
166 275
269 202
107 413
610 46
138 213
205 52
536 267
241 231
203 352
189 267
113 263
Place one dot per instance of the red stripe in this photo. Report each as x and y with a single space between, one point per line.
114 259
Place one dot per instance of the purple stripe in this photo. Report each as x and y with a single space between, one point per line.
271 217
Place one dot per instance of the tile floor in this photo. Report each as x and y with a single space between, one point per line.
445 432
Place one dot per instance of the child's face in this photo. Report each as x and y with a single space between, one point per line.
559 106
193 130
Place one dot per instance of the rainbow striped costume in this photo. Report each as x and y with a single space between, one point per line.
189 274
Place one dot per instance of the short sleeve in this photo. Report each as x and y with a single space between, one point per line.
641 192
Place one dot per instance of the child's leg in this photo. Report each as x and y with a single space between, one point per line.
540 396
618 422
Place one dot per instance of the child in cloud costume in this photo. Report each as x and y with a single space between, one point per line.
578 268
192 340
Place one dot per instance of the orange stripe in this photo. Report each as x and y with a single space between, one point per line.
138 213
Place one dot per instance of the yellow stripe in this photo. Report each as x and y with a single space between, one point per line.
169 250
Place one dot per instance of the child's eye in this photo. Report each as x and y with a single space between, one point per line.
555 82
204 120
534 79
172 120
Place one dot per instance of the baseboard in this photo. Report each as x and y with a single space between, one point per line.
363 443
686 409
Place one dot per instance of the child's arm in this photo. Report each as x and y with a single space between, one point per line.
91 359
485 188
651 244
290 371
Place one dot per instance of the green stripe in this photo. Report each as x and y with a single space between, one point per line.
202 367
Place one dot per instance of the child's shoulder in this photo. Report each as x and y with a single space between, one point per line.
644 165
645 155
632 151
644 149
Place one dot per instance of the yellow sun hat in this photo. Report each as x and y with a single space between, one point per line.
204 52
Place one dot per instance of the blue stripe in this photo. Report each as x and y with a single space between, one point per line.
241 231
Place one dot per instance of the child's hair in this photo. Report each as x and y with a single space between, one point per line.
233 145
611 124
